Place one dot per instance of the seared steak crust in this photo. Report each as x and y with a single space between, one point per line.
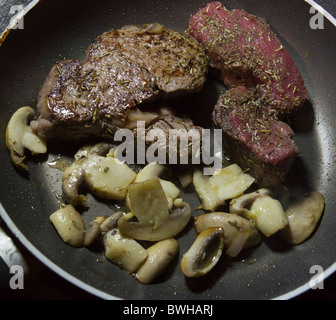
256 139
175 60
248 53
123 69
75 103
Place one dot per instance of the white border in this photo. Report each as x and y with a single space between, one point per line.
292 294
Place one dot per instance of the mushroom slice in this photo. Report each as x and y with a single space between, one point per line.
20 136
237 244
111 222
101 149
91 234
242 204
106 177
150 207
159 256
123 251
152 170
303 215
204 253
268 215
171 192
266 212
232 224
227 183
69 225
186 179
73 178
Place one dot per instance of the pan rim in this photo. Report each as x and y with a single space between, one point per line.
47 262
325 13
106 296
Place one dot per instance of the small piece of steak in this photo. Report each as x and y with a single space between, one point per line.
176 139
256 139
123 69
246 51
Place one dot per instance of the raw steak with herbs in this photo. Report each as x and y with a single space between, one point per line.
256 139
246 51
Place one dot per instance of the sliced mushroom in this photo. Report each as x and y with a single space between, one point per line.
259 206
159 257
237 230
91 234
20 136
268 215
73 178
106 177
150 207
100 219
171 192
237 244
123 251
111 222
152 170
242 204
69 225
204 253
303 216
165 228
227 183
101 149
186 179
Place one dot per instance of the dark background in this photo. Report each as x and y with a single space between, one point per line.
42 283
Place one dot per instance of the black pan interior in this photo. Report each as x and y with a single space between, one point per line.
63 30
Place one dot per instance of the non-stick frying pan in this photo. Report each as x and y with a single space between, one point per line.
56 30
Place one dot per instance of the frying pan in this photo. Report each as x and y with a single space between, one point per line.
56 30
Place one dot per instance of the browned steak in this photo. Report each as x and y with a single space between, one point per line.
73 104
256 139
175 60
123 69
248 53
176 139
